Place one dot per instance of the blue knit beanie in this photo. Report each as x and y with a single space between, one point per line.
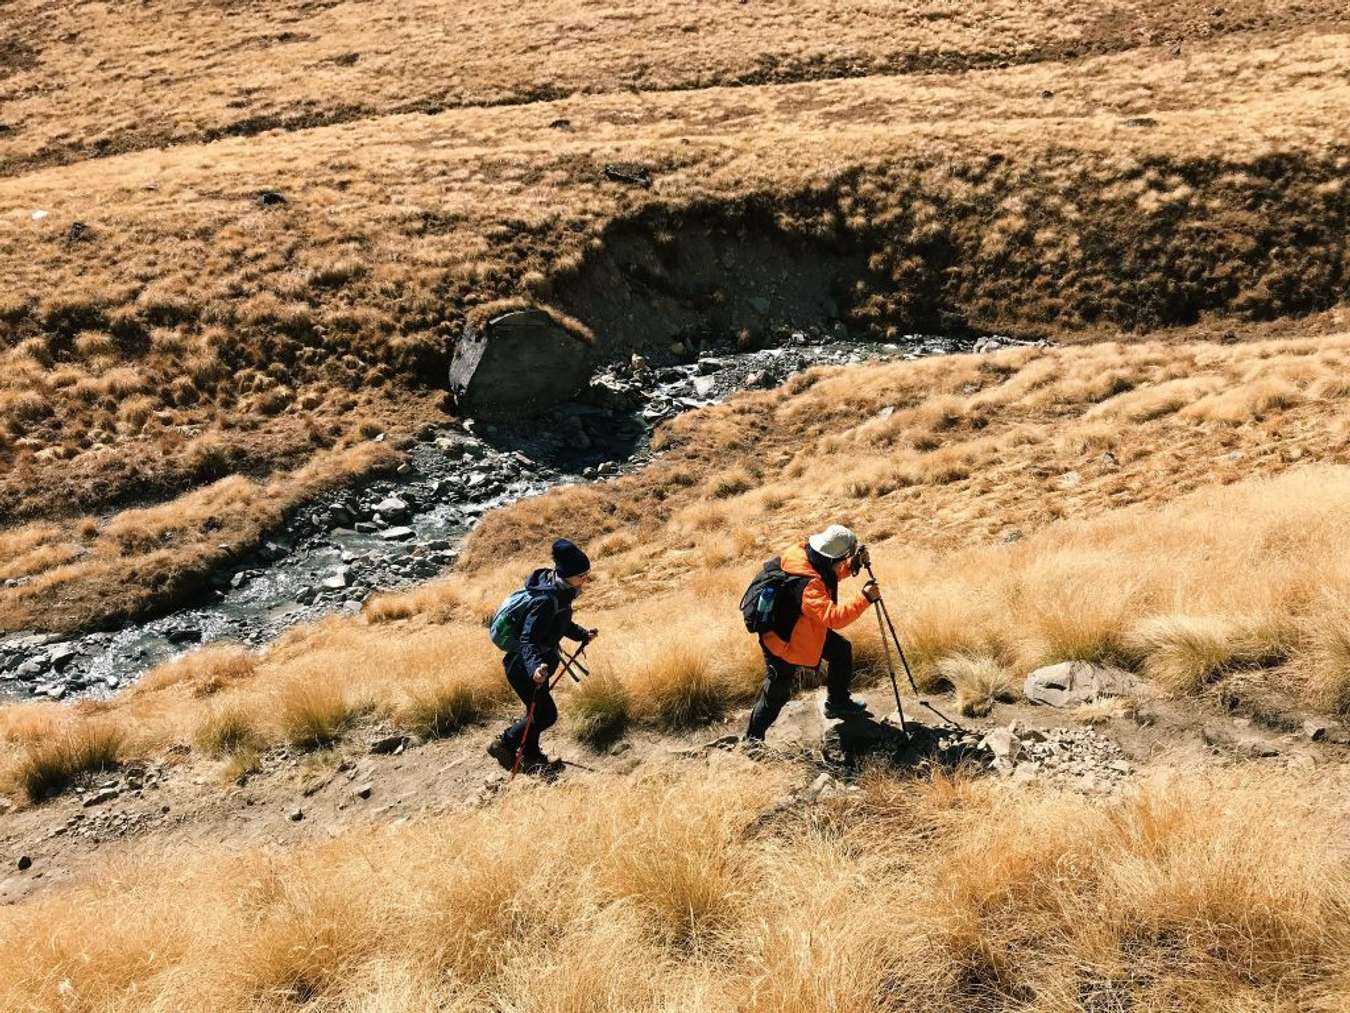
569 560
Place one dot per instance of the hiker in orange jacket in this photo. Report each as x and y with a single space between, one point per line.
826 558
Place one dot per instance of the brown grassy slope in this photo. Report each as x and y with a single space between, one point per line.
87 82
91 574
976 200
148 353
688 890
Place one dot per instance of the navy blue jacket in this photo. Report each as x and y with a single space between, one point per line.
548 618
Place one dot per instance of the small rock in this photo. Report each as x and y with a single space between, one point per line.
101 796
629 172
760 378
1003 744
399 534
363 791
338 580
703 385
296 815
1314 730
269 198
392 508
59 655
823 786
25 863
184 635
388 744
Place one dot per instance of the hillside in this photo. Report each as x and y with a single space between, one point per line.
1154 480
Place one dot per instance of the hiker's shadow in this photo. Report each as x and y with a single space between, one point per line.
863 739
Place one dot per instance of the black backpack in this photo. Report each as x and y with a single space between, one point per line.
773 601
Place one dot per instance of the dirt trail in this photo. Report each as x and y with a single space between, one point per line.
297 797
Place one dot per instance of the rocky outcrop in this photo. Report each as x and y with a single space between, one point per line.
519 363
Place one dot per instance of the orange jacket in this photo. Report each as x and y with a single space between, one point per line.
819 613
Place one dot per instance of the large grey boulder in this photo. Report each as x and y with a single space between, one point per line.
518 363
1071 683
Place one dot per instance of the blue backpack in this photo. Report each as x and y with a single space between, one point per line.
508 620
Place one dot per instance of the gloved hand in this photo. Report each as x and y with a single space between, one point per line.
590 635
541 675
872 591
864 557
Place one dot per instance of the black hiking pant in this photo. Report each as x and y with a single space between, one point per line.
779 675
545 710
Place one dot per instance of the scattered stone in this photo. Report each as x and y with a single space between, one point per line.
824 786
1070 683
77 231
388 744
1005 746
269 198
363 791
399 534
338 580
392 508
629 172
760 378
25 863
1314 730
184 635
296 815
101 796
561 124
60 655
704 385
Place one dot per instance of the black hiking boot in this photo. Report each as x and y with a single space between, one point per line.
845 708
503 752
539 765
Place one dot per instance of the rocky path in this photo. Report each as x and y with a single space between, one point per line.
379 778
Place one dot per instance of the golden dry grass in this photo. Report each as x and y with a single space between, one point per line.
676 893
152 558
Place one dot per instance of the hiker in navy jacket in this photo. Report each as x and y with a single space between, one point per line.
548 619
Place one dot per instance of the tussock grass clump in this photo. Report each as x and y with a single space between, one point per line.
312 714
46 766
442 707
601 708
1183 652
228 728
980 681
205 671
1330 659
680 685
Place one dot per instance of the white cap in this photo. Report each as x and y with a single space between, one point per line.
835 542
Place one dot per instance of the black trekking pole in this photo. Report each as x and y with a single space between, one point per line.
890 665
575 659
882 611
